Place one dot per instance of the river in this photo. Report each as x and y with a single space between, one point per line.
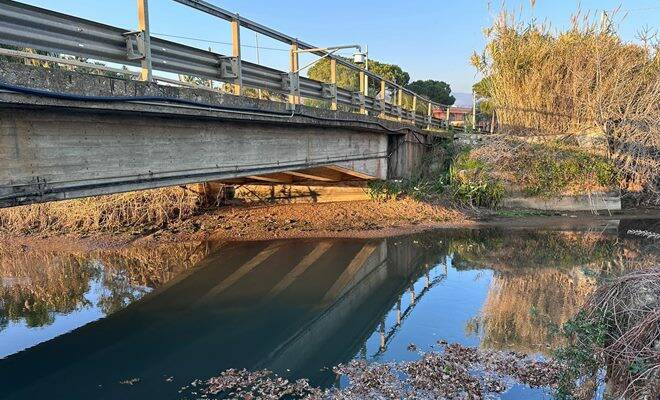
141 322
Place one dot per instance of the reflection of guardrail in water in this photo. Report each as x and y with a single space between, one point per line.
386 338
36 28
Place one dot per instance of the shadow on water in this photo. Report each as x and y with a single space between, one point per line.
167 315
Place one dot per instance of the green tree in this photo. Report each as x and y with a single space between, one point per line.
437 91
483 90
349 79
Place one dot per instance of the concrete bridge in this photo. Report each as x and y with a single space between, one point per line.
68 133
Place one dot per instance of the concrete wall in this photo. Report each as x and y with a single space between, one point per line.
591 202
60 154
407 153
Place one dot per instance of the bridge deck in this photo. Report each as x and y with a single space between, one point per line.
57 147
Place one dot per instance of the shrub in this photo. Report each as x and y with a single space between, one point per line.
472 182
547 169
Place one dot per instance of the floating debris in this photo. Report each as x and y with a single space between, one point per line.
130 382
454 372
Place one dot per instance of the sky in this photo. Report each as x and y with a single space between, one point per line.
431 39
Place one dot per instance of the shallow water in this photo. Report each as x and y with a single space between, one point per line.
77 325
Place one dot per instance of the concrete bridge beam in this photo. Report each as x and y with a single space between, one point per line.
140 135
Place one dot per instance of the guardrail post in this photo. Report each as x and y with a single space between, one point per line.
146 74
414 110
293 67
383 89
237 86
399 101
333 81
429 116
363 90
448 125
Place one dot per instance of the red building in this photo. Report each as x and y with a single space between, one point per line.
457 115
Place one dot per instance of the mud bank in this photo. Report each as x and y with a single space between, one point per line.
355 219
249 222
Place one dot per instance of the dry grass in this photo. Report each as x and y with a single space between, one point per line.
633 303
619 327
584 80
148 208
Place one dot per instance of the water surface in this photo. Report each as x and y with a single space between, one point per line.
84 325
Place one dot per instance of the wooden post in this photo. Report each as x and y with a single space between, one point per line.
363 110
399 101
333 80
383 88
236 52
382 335
492 123
429 115
474 112
146 73
414 109
293 67
448 124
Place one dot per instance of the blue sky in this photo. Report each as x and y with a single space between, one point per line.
430 39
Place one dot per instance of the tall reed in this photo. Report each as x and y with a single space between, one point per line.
583 80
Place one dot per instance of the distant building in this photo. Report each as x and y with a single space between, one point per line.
457 115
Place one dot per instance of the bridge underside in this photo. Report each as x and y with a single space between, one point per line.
59 154
55 148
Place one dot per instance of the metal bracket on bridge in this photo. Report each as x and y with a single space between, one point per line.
135 39
12 196
329 91
357 99
378 105
229 68
291 84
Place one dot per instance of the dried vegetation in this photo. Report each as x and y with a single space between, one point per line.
581 83
619 327
453 372
133 210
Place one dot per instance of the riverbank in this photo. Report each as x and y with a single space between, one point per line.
351 219
357 219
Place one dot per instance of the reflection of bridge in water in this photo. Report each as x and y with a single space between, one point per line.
295 307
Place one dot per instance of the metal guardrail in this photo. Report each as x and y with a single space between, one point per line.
31 27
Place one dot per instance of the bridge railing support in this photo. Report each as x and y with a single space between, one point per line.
363 91
146 73
399 102
294 60
237 86
333 81
414 109
429 116
58 33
